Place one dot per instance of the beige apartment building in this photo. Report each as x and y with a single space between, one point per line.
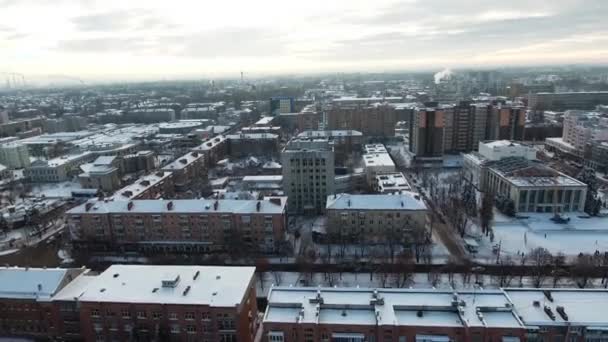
374 218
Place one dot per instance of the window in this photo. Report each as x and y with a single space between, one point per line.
228 338
128 327
141 314
189 315
157 315
175 329
95 313
275 336
110 313
173 316
191 329
126 313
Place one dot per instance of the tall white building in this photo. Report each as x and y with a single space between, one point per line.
14 155
308 173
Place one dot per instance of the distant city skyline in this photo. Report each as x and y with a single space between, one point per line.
114 40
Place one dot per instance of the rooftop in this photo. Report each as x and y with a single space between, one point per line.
252 136
216 286
139 186
182 206
183 161
524 172
331 134
402 201
377 159
394 181
403 307
31 283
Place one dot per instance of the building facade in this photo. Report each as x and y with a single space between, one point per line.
567 100
377 120
187 170
14 155
179 226
375 218
308 173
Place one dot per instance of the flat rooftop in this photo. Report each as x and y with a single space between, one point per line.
377 159
216 286
182 206
392 181
402 201
401 307
331 133
30 283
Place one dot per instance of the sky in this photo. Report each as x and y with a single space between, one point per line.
135 39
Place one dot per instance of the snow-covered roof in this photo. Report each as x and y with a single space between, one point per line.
30 283
403 201
252 136
263 178
179 206
183 161
377 159
331 133
139 186
400 307
583 307
216 286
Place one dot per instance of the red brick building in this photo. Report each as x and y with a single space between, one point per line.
26 308
166 303
178 226
187 169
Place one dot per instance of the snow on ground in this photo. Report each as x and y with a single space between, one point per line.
63 189
582 234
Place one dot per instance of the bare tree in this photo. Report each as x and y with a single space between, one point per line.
540 260
434 278
405 271
486 212
558 272
261 267
583 270
278 277
505 271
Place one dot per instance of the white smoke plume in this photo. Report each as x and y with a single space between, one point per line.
443 75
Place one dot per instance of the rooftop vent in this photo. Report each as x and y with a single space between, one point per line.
170 281
102 290
186 290
562 312
115 275
547 294
258 206
549 313
536 303
88 206
196 275
130 206
420 314
154 290
344 314
170 205
218 277
39 287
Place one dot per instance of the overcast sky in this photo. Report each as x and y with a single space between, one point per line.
164 39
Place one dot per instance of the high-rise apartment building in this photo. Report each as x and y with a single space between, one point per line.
506 122
427 131
308 173
465 126
14 155
282 104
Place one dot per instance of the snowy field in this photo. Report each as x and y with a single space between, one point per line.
582 234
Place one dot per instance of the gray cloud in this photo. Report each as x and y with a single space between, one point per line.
107 21
227 43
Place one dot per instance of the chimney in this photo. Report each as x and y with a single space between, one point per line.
39 287
130 206
170 205
215 205
88 206
258 206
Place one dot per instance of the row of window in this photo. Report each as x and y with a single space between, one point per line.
96 313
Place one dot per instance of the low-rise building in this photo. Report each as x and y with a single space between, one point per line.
179 226
214 149
150 115
254 144
377 163
187 169
309 119
139 161
390 183
152 186
374 218
510 171
26 308
58 169
166 303
103 173
367 314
